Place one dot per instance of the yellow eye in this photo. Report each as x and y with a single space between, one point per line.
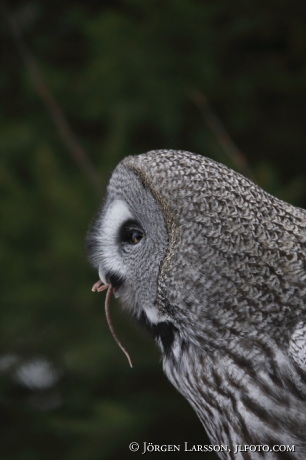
136 236
130 232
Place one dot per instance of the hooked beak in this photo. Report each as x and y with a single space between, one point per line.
108 279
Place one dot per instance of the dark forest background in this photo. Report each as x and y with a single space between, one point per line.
83 84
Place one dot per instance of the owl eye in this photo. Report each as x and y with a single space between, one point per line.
135 237
131 232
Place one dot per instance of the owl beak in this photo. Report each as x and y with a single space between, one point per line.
112 278
102 275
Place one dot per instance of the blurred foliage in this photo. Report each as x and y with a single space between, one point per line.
123 73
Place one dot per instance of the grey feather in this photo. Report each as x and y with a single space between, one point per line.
297 346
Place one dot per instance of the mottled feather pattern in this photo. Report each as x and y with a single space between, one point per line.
219 281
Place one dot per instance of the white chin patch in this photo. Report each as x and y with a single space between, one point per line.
153 315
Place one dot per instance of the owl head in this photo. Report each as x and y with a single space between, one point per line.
192 247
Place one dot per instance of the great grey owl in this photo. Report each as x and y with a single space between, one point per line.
214 268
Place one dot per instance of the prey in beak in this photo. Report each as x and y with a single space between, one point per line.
99 287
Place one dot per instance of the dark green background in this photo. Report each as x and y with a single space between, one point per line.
124 74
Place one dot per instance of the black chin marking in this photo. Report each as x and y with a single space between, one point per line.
115 279
165 331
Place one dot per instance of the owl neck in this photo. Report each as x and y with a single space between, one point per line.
164 332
